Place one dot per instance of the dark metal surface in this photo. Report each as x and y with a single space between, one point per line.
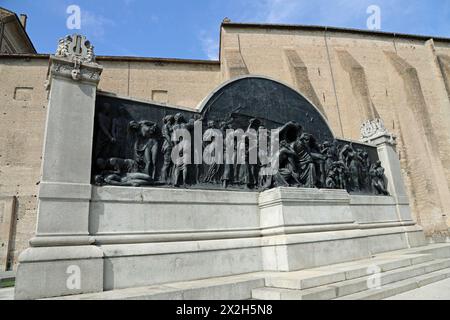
271 102
123 155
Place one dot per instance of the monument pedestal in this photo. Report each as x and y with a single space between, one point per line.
305 228
62 259
151 236
386 144
59 271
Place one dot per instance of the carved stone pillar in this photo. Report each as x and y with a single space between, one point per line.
62 259
375 133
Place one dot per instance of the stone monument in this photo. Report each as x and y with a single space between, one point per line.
138 193
62 233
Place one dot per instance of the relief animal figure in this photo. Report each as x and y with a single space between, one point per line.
146 145
120 172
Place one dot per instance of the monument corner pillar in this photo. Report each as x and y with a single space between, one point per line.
374 132
61 259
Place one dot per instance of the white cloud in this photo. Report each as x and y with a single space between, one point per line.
128 2
94 24
279 11
210 46
333 13
338 13
154 18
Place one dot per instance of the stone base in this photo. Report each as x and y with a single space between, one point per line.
134 265
54 271
198 234
297 252
401 271
151 236
306 228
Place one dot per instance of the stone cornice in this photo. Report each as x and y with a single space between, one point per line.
62 67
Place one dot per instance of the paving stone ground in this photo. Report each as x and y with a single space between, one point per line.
7 293
435 291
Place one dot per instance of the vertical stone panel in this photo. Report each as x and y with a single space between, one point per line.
7 218
444 65
22 118
429 188
24 227
235 63
440 104
160 96
359 84
23 93
300 76
65 189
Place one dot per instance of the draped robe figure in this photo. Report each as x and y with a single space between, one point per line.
181 164
230 160
167 148
307 168
248 171
212 172
287 174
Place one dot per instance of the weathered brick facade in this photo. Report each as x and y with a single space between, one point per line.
349 75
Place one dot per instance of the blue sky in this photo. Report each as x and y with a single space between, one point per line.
190 28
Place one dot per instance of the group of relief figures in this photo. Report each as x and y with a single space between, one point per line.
300 160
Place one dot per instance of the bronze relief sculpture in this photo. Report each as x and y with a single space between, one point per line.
141 144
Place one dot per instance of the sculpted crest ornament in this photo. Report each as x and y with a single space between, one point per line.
76 47
374 128
371 128
77 50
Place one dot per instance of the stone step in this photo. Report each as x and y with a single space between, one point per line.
317 283
361 284
439 250
7 278
222 288
7 293
267 293
289 290
307 279
398 287
7 275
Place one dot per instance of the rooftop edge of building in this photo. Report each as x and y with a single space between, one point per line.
116 58
9 13
227 24
328 28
